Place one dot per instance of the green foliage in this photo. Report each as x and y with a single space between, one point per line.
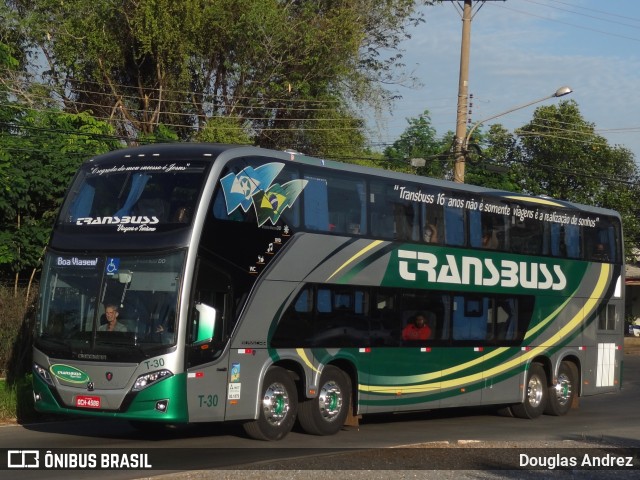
224 130
278 67
16 401
43 151
576 164
419 141
161 134
14 308
495 161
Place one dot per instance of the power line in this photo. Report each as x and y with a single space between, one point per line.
580 13
106 89
582 7
626 37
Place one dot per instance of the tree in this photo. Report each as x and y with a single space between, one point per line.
44 149
7 115
419 140
494 160
563 157
281 66
224 130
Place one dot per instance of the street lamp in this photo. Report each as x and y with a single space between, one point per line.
460 160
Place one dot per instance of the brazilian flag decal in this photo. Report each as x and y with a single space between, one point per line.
271 203
239 189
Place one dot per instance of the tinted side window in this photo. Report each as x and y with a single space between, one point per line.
527 232
608 318
335 204
602 240
393 216
494 319
336 316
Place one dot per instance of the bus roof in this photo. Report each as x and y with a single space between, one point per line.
212 151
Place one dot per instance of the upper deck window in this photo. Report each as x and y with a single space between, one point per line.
134 197
335 204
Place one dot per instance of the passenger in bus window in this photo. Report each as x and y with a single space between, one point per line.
417 329
112 325
431 234
489 239
600 253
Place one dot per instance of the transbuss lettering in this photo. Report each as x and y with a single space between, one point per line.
414 266
133 220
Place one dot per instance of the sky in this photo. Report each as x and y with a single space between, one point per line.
521 51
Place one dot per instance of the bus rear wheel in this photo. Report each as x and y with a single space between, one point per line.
278 408
535 399
563 393
326 413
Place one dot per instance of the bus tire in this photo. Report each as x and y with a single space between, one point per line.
563 393
535 399
326 413
278 408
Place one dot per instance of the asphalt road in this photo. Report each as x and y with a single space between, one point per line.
450 442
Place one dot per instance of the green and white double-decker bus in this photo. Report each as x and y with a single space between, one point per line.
214 283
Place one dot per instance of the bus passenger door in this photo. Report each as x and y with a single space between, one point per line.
207 369
606 359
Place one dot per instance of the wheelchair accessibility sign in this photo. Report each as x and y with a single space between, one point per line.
113 264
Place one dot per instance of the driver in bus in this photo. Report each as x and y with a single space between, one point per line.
112 325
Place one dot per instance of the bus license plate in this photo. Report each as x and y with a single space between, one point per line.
84 401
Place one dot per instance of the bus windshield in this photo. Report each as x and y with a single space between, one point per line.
133 198
105 305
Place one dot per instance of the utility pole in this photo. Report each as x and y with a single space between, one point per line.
463 89
463 95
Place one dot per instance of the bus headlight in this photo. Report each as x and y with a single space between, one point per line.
143 381
43 373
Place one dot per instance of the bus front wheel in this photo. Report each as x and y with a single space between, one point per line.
278 408
563 393
535 399
326 413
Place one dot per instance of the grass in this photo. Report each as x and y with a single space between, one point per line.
17 317
16 401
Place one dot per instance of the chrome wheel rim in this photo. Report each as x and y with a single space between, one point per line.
330 401
563 389
275 404
535 391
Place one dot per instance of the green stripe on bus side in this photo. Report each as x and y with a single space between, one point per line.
574 271
437 394
449 384
434 379
498 363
